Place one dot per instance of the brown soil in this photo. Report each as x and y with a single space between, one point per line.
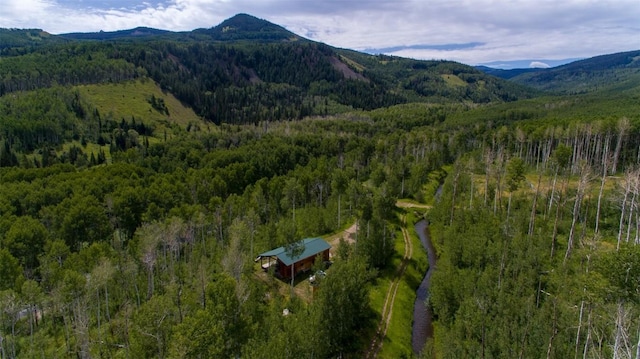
346 71
349 235
404 204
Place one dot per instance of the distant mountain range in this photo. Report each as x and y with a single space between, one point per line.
139 32
204 68
596 73
240 27
244 69
527 64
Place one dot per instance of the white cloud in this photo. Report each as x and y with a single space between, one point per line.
24 13
510 30
539 65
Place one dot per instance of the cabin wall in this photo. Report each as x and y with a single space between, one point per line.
284 270
302 265
325 255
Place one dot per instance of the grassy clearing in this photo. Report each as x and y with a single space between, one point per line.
612 183
453 80
132 99
376 297
88 149
358 67
378 292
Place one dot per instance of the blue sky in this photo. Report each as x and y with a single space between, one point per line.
469 31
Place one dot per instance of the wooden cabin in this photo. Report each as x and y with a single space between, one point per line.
298 257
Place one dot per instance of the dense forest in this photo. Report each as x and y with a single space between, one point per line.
142 175
537 242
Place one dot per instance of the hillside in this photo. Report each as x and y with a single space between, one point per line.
505 74
248 28
247 69
141 100
241 27
600 73
17 41
137 33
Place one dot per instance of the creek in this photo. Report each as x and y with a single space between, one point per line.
422 316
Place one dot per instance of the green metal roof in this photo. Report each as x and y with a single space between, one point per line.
305 248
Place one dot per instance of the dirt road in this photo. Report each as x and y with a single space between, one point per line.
387 308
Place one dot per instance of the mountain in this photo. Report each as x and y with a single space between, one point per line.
14 39
247 70
589 75
138 32
237 28
503 73
527 64
599 73
247 27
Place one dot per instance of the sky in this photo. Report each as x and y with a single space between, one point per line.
501 33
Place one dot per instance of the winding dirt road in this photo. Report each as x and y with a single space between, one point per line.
387 308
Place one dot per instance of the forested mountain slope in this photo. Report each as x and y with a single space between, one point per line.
247 66
18 41
605 72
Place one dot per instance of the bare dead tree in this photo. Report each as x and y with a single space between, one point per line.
150 235
554 330
233 261
582 186
456 177
621 345
579 325
559 205
632 206
605 162
532 217
587 341
623 127
629 183
488 159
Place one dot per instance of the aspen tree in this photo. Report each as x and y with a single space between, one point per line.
100 275
340 184
10 306
149 239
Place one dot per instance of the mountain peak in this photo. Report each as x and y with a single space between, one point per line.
246 21
248 27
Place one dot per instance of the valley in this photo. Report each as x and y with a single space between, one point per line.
142 171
